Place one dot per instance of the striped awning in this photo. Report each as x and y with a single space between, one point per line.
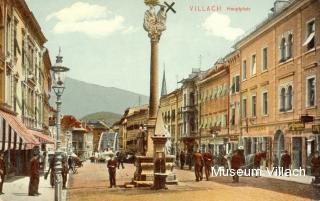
14 134
42 138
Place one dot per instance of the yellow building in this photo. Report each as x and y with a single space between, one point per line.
129 126
24 84
213 107
279 73
170 107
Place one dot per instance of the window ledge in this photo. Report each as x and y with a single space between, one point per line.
311 107
264 71
255 75
310 51
285 61
287 111
244 79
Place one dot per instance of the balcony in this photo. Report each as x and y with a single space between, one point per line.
31 78
189 108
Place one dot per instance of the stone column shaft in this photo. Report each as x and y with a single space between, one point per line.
153 100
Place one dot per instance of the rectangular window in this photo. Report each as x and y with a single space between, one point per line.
253 65
233 116
254 106
311 92
237 83
244 70
310 35
265 103
265 59
244 108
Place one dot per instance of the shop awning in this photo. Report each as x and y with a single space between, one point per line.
14 134
43 138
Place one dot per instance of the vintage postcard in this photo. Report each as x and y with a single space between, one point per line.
159 100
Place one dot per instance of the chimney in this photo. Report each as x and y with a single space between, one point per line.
279 5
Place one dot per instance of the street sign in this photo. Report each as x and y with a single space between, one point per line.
316 129
215 129
296 126
306 118
234 138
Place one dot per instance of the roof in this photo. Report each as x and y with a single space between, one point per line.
265 22
32 21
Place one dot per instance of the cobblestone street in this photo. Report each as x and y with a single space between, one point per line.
91 183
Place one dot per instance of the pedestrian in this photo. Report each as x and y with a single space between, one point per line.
65 171
182 159
198 165
237 161
208 163
285 161
70 163
3 172
51 170
189 160
275 165
34 175
120 159
257 162
112 168
315 167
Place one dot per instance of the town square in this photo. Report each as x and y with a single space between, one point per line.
159 100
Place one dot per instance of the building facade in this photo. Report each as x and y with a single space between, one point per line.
213 106
169 107
25 82
279 70
129 126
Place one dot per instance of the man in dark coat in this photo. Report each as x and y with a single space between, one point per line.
65 171
285 161
120 159
257 162
182 159
34 176
208 163
112 168
3 172
51 170
237 160
315 167
198 165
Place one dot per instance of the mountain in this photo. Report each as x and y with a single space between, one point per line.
108 117
81 98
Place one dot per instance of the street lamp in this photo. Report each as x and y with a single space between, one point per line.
58 74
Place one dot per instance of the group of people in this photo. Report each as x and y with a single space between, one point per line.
237 161
201 161
67 165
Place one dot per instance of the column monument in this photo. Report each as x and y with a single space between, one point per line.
154 24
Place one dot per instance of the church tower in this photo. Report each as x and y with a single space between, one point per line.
164 84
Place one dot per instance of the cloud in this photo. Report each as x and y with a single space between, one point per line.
219 25
90 19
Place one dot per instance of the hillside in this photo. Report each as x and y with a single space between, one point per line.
108 117
81 98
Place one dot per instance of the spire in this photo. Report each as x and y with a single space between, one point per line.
164 83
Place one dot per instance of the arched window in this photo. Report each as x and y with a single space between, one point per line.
283 50
289 46
282 99
289 98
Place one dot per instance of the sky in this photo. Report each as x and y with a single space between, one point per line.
103 41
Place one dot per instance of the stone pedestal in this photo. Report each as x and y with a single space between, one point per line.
159 161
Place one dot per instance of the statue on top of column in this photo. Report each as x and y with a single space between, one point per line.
154 23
